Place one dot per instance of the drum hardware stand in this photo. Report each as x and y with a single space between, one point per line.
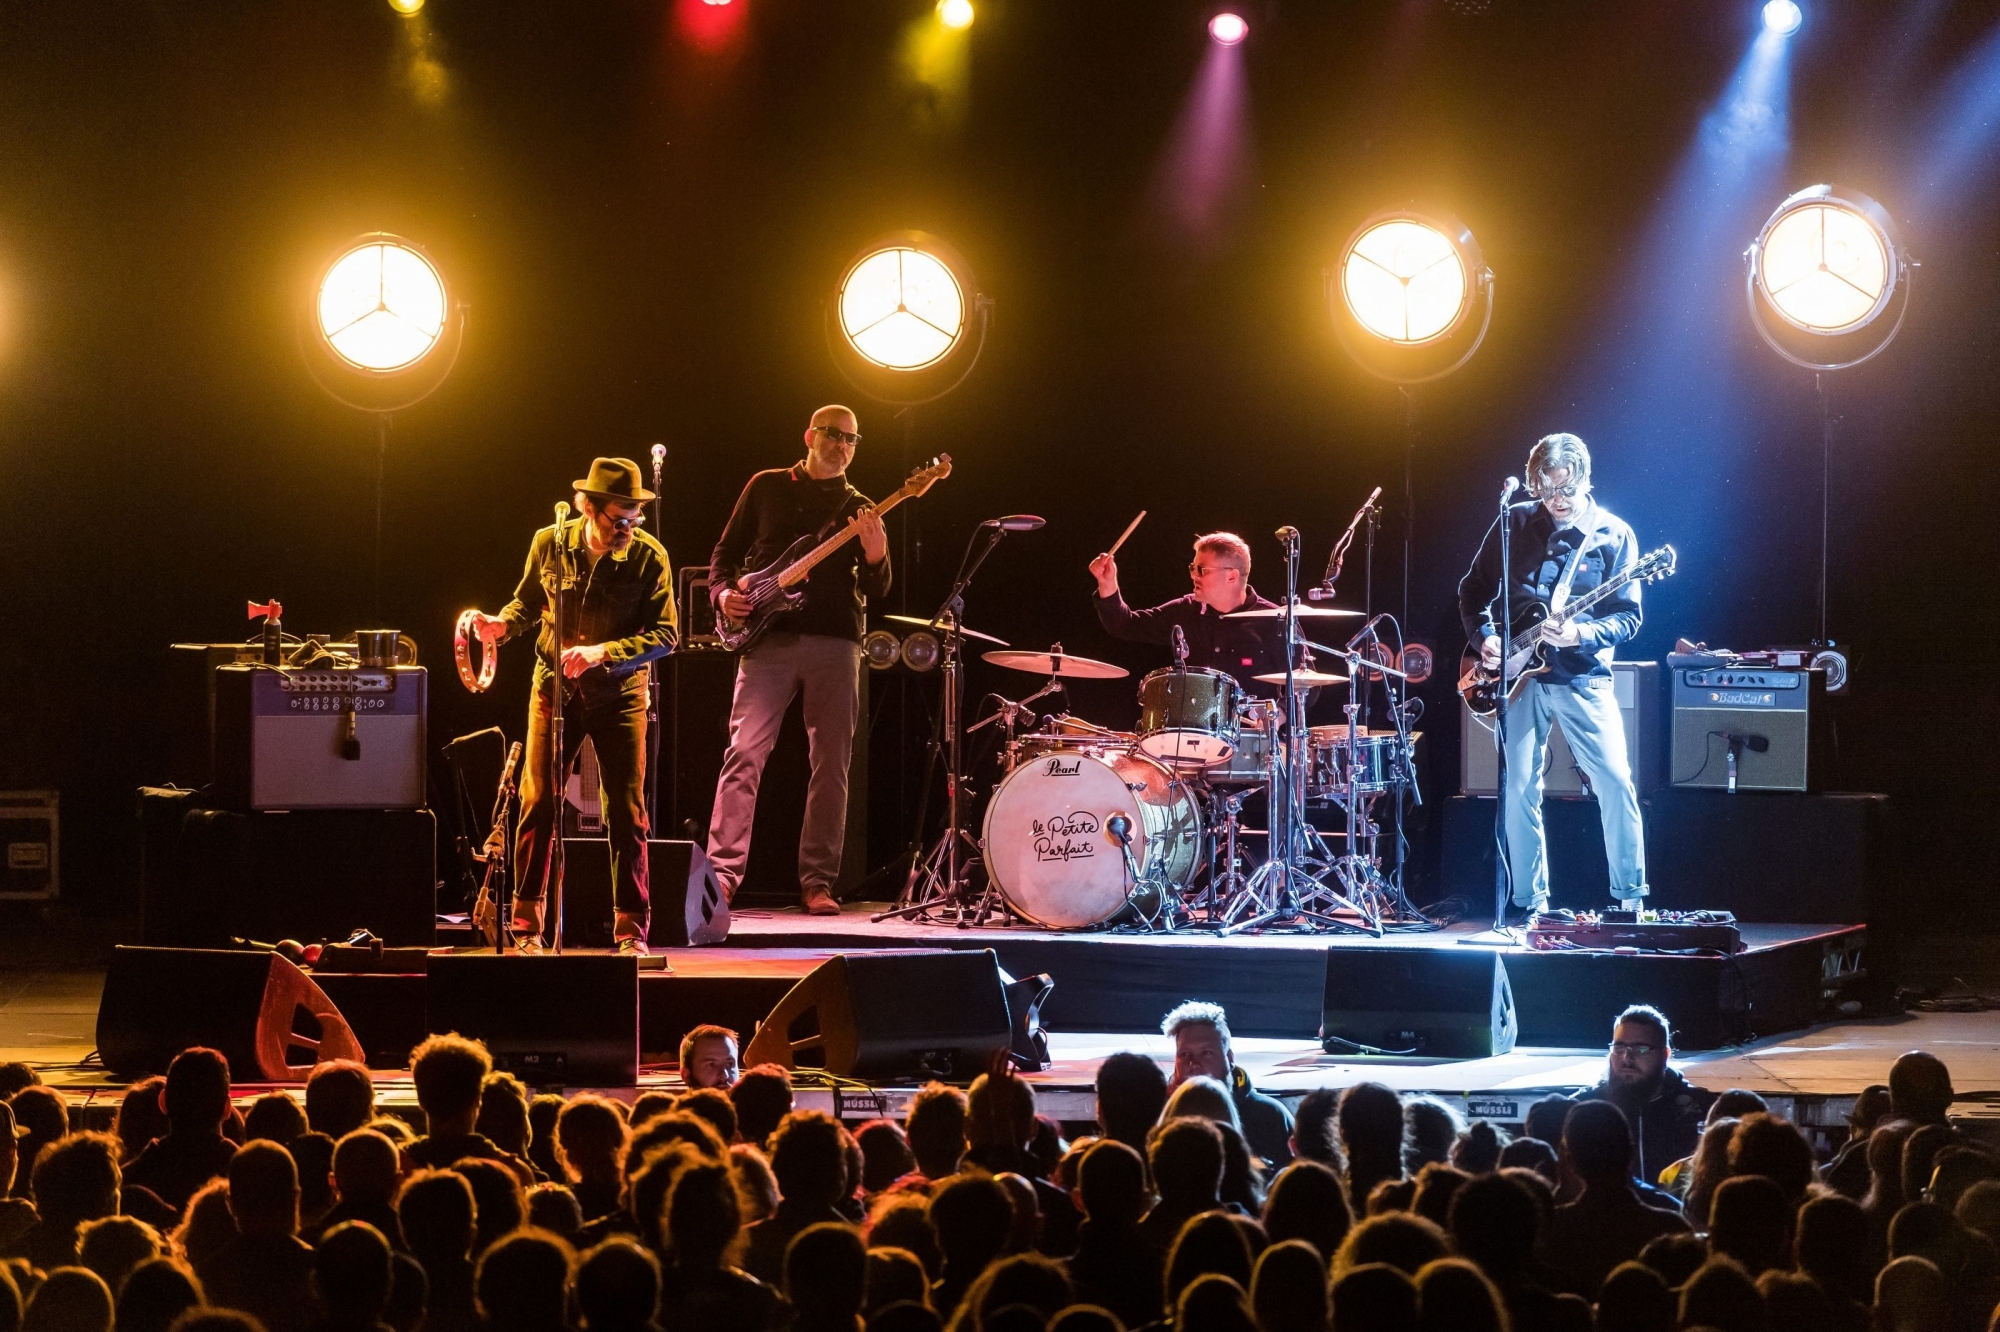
941 880
1360 875
1274 887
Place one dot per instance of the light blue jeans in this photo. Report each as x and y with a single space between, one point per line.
1587 707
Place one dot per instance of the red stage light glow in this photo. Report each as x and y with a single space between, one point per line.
708 25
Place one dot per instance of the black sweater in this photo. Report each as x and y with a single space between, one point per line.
776 509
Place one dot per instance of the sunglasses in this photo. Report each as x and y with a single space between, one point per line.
835 432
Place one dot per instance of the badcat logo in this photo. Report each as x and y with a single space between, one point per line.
1063 767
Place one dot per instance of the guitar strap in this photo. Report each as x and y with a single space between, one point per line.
847 492
1560 597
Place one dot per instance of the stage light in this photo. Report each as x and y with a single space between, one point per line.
1228 28
1404 281
406 7
955 13
1823 272
901 308
1783 17
381 306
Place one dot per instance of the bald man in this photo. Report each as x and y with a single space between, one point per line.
816 648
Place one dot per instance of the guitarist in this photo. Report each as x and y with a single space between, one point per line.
618 614
816 648
1562 544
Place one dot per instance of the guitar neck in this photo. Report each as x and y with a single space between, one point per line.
795 572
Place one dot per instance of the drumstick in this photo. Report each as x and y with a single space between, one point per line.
1127 532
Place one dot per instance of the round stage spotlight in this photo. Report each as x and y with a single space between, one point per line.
1228 28
901 308
955 13
1783 17
382 305
906 323
1404 292
406 7
1823 273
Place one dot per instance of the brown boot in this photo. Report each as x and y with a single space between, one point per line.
817 901
528 926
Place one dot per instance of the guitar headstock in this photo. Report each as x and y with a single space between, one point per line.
932 472
1656 565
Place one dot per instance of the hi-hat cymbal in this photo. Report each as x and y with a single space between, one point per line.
1303 679
1303 611
1056 663
936 628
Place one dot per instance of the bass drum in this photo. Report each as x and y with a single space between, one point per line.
1048 844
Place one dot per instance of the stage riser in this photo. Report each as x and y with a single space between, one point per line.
1123 984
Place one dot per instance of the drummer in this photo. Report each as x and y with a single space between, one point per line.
1221 576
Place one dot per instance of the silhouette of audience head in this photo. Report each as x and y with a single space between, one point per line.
1919 1088
155 1293
1309 1203
936 1129
340 1097
1315 1134
450 1076
1453 1295
70 1299
77 1179
523 1282
352 1275
434 1209
618 1287
1402 1240
826 1276
1288 1290
763 1097
1430 1127
1374 1297
1751 1221
1598 1142
196 1096
1131 1093
1186 1160
1635 1298
972 1217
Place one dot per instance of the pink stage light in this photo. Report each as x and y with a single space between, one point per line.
1228 28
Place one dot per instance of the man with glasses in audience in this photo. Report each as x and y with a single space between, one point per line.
1664 1109
1221 576
618 616
1562 544
816 648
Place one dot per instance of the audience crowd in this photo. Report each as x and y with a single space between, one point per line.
1195 1204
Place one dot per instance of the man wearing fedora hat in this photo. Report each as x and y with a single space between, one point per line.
618 616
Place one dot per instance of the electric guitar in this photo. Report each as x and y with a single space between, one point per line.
776 588
1526 656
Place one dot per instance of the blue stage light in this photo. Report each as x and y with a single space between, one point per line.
1783 17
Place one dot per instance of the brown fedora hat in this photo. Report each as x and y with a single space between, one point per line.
615 479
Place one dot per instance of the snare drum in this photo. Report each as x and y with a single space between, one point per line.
1048 847
1378 758
1256 738
1187 717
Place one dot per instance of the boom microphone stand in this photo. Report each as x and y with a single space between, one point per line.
552 892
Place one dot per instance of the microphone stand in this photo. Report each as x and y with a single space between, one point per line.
655 694
552 891
1503 878
940 878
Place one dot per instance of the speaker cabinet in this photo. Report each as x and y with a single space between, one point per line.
1421 1002
891 1015
686 902
1637 686
1783 711
255 1007
569 1020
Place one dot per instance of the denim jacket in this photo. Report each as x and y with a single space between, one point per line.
1538 552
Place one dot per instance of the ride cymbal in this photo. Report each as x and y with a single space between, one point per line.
1056 663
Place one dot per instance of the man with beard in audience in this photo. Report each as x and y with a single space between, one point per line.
1663 1108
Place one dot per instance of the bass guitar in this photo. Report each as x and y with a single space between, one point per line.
776 588
1526 655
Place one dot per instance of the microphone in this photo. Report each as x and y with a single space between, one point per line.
659 459
1338 557
1507 491
562 512
1288 535
1367 631
1759 743
1180 647
1120 827
1016 522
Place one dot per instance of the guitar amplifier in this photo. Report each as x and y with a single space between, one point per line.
1636 685
345 738
1787 744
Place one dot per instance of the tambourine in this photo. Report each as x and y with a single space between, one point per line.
463 638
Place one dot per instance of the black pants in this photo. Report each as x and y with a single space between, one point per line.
617 728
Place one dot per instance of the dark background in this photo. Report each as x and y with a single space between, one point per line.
645 232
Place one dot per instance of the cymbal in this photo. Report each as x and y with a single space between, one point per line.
935 627
1303 679
1056 663
1304 612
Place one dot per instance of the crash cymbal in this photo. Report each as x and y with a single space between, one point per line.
1305 612
936 628
1303 679
1055 663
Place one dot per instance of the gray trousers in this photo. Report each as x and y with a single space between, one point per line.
767 678
1587 707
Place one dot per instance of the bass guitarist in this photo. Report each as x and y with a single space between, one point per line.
618 615
1562 544
816 647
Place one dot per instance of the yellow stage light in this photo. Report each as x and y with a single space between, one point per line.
1824 267
901 308
1404 281
955 13
406 7
381 306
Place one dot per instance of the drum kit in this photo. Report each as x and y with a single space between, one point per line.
1089 827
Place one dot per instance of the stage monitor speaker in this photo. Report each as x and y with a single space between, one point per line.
892 1015
569 1020
687 903
1786 743
1637 687
1429 1003
255 1007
